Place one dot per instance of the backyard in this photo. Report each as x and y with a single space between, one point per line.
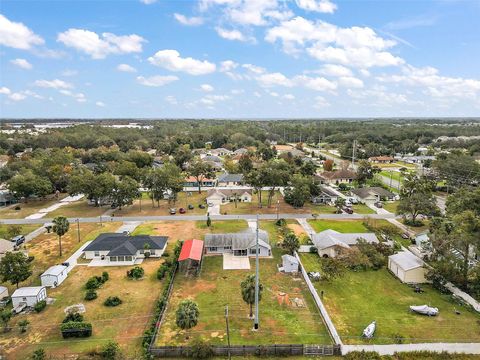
287 311
357 298
124 324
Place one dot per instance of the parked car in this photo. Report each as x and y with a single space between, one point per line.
348 203
18 240
182 211
173 211
66 263
201 206
190 207
352 200
347 209
378 204
405 236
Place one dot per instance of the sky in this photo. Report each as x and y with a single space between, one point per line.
239 58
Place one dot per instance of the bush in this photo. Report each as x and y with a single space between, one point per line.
76 329
74 316
313 250
39 354
105 277
40 306
281 222
92 283
112 301
162 270
110 351
17 208
362 355
165 254
200 350
91 295
30 258
136 273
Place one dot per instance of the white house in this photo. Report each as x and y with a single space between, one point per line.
238 244
407 267
54 276
28 296
3 292
289 264
114 249
370 195
230 180
329 243
224 196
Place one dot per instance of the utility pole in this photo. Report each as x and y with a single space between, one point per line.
390 178
78 229
256 279
228 332
353 153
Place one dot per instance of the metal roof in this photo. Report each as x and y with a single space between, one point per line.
54 270
28 291
328 238
406 260
191 249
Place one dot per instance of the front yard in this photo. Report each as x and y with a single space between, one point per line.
281 321
343 226
356 299
28 208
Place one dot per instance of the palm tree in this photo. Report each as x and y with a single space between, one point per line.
187 315
248 292
60 227
291 243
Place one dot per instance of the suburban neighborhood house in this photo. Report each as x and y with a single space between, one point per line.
191 181
326 196
223 196
370 195
343 176
407 267
238 244
113 249
329 243
381 159
230 180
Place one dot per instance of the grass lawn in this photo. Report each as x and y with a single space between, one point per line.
320 209
124 324
362 209
343 226
391 206
28 208
356 299
223 226
280 320
77 209
146 208
24 230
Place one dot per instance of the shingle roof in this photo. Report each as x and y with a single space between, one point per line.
339 174
231 178
120 244
375 190
228 192
329 238
238 241
406 260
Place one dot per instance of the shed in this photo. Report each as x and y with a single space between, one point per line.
54 276
29 296
190 255
3 292
407 267
289 264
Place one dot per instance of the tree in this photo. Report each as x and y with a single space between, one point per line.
209 221
165 180
125 191
95 187
247 287
332 268
200 170
416 197
187 315
182 156
15 268
275 174
339 204
245 164
458 169
365 171
27 184
328 165
5 316
60 227
14 230
266 153
291 243
299 191
256 181
110 350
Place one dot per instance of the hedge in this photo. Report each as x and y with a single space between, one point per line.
76 329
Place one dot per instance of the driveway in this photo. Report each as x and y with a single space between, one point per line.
306 226
231 262
213 210
65 201
72 260
128 226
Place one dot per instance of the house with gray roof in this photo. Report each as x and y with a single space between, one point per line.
224 196
114 249
230 180
370 195
238 244
329 243
326 196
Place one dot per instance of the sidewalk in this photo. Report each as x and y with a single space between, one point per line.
306 226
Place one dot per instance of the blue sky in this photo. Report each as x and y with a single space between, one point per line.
239 58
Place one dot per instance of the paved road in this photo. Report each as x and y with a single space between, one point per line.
201 218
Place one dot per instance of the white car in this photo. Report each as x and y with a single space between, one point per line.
352 200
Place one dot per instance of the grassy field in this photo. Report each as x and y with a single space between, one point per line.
24 230
391 206
124 324
280 320
356 299
362 209
28 208
344 226
79 208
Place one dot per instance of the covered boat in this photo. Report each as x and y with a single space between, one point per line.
370 330
425 310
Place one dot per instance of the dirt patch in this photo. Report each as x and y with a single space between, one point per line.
297 229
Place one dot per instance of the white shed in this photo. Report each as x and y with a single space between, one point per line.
407 267
54 276
3 292
289 263
29 295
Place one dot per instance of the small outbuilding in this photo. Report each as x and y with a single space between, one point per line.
190 255
54 276
407 267
289 264
28 296
3 292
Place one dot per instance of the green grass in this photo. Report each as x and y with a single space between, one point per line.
343 226
356 299
215 288
362 209
24 230
395 175
391 206
223 226
79 208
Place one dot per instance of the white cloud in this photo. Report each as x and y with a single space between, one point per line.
17 96
237 91
171 60
17 35
126 68
335 70
156 81
98 47
80 97
274 79
188 21
322 6
100 104
233 35
254 68
5 91
350 82
148 2
171 100
315 83
212 99
207 87
22 63
289 97
53 84
320 102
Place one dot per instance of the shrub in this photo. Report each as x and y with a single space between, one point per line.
110 351
23 324
105 277
112 301
362 355
76 329
165 254
40 306
91 295
30 258
200 350
162 270
281 222
17 208
73 316
136 273
399 339
92 283
313 250
39 354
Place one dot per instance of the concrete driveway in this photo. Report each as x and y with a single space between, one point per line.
231 262
128 226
